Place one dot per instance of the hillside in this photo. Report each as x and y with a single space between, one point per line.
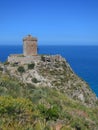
53 72
45 95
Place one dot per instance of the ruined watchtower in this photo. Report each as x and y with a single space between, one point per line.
30 46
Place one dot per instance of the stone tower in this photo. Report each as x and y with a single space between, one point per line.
30 46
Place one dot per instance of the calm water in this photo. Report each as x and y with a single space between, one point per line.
83 59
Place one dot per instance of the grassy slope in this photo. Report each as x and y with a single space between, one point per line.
25 107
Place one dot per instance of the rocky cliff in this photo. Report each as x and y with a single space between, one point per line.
53 72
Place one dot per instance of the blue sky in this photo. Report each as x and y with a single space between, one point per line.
52 21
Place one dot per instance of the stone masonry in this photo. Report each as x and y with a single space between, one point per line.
30 46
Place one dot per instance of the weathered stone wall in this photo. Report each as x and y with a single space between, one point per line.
23 59
30 48
28 59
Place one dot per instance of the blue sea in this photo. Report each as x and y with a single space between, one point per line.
82 59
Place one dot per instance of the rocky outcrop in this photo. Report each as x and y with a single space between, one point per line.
54 72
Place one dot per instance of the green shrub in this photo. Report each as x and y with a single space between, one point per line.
21 69
42 109
51 113
31 66
1 69
14 64
43 58
34 80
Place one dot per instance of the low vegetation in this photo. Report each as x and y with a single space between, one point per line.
34 80
43 58
31 66
1 69
26 107
21 69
